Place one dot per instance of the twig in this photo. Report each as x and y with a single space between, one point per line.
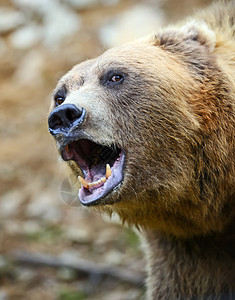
81 265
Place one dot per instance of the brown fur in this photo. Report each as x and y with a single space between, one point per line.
175 119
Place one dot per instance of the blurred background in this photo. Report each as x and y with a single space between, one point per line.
46 237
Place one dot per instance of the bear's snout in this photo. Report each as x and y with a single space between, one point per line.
65 117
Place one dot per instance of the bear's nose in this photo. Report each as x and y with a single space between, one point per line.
64 117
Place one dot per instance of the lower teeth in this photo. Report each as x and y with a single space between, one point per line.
88 184
94 184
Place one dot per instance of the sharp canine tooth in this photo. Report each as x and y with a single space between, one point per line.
108 171
84 182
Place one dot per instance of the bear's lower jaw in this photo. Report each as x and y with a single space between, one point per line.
102 166
95 193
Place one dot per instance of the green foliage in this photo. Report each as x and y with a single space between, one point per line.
67 294
46 234
131 239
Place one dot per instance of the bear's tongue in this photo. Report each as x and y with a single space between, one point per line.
101 165
96 183
106 179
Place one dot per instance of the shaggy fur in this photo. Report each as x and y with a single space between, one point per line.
174 115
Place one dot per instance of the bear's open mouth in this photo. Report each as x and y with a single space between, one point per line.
102 167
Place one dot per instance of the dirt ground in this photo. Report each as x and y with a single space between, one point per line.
38 214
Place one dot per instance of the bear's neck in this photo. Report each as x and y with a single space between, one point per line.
190 268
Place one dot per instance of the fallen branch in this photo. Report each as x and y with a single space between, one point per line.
81 266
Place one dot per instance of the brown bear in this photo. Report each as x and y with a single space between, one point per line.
149 129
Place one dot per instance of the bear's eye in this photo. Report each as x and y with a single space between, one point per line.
116 78
60 95
59 100
112 78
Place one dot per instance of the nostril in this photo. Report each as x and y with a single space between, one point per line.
55 122
64 117
73 114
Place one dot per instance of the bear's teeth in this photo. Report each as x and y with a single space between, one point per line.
84 182
95 183
108 171
89 184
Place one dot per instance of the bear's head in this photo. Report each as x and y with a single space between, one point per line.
148 127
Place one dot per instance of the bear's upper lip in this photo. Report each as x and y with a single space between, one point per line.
102 167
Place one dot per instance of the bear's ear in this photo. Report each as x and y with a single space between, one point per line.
201 33
191 32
